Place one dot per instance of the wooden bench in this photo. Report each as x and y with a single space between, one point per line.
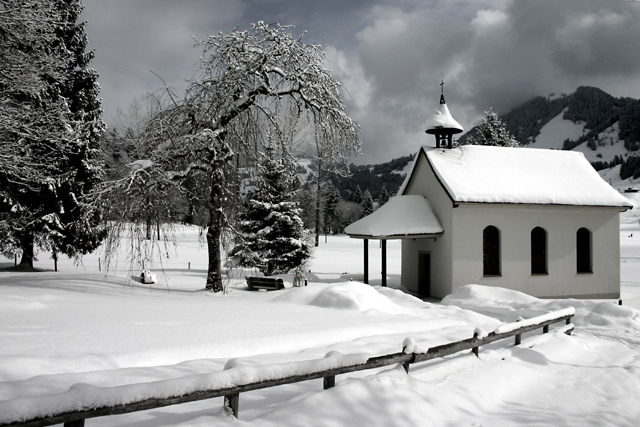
268 283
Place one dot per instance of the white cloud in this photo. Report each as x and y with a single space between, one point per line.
489 19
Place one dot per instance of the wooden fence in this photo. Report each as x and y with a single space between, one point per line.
408 356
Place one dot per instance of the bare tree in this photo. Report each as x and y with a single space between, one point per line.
245 81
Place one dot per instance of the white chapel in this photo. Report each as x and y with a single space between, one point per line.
542 222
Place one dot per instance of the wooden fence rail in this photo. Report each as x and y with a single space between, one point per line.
408 356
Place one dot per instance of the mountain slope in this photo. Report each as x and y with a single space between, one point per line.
589 120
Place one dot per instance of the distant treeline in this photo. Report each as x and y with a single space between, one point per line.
372 178
630 168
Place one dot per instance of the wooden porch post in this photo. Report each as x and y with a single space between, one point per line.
384 262
366 261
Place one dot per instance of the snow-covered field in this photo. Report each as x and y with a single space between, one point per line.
63 331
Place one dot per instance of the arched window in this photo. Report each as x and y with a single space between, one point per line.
491 251
583 251
538 251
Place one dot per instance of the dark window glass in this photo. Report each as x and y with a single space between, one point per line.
583 251
491 251
538 251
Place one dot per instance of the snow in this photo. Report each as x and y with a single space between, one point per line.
553 134
140 164
481 174
409 215
442 118
510 327
608 146
78 337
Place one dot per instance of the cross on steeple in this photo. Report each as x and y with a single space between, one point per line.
442 92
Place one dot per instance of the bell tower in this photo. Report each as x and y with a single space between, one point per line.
442 124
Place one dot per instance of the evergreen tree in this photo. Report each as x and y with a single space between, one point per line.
357 196
367 204
332 199
384 196
306 196
84 160
492 131
50 122
273 235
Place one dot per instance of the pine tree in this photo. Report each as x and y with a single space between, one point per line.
50 121
367 204
492 131
384 196
332 200
85 163
273 235
357 196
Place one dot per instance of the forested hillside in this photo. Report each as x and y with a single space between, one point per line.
596 109
606 129
373 178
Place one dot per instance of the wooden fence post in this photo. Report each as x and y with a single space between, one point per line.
518 339
231 402
475 349
329 382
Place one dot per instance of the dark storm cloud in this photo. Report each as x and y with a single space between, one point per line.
491 55
390 54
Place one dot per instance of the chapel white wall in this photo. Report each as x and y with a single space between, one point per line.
515 223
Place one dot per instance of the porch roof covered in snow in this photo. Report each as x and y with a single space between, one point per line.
402 217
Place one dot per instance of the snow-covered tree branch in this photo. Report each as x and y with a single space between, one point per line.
245 82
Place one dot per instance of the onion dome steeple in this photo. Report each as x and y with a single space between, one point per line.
442 124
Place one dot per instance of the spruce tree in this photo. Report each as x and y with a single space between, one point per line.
82 231
357 196
272 233
492 131
50 122
384 196
332 200
367 204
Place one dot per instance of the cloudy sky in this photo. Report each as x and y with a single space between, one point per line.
390 54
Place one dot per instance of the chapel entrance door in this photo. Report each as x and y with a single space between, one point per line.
424 274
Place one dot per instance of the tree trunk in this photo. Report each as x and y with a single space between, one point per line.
214 232
148 228
318 203
214 273
27 250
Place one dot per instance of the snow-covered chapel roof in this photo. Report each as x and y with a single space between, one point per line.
485 174
401 216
